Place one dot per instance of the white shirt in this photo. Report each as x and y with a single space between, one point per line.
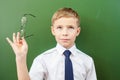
50 65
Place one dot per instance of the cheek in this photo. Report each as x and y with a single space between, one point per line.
74 34
57 36
73 37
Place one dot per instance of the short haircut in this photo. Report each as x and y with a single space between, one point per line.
65 12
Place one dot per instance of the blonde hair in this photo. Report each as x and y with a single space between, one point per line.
65 12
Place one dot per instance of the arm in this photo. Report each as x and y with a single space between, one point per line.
20 49
91 73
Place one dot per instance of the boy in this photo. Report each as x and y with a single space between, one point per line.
53 64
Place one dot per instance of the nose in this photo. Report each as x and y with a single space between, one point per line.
65 32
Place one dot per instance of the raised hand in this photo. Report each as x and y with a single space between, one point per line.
20 48
19 45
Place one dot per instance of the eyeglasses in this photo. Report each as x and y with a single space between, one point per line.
23 24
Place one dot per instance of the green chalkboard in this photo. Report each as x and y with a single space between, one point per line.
99 37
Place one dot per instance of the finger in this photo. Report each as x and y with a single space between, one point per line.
24 41
18 37
14 38
9 41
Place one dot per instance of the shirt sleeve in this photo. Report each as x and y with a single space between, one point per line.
91 74
38 69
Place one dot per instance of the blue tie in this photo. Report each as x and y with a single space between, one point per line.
68 66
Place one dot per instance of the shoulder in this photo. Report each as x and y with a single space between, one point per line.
46 53
84 57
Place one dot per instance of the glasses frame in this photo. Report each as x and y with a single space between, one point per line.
23 24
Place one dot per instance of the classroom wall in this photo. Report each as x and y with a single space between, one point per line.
99 38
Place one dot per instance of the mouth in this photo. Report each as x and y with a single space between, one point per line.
65 40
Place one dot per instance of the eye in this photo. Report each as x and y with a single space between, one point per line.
71 27
59 27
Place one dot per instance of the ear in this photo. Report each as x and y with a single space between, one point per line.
52 30
78 30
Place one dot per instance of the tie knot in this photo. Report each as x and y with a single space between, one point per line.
67 53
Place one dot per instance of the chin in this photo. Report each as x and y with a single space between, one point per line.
66 46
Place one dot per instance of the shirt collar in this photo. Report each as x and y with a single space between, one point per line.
61 49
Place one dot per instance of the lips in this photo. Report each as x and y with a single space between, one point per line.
65 40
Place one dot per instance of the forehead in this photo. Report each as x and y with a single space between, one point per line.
66 21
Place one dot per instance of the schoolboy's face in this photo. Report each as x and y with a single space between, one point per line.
65 31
